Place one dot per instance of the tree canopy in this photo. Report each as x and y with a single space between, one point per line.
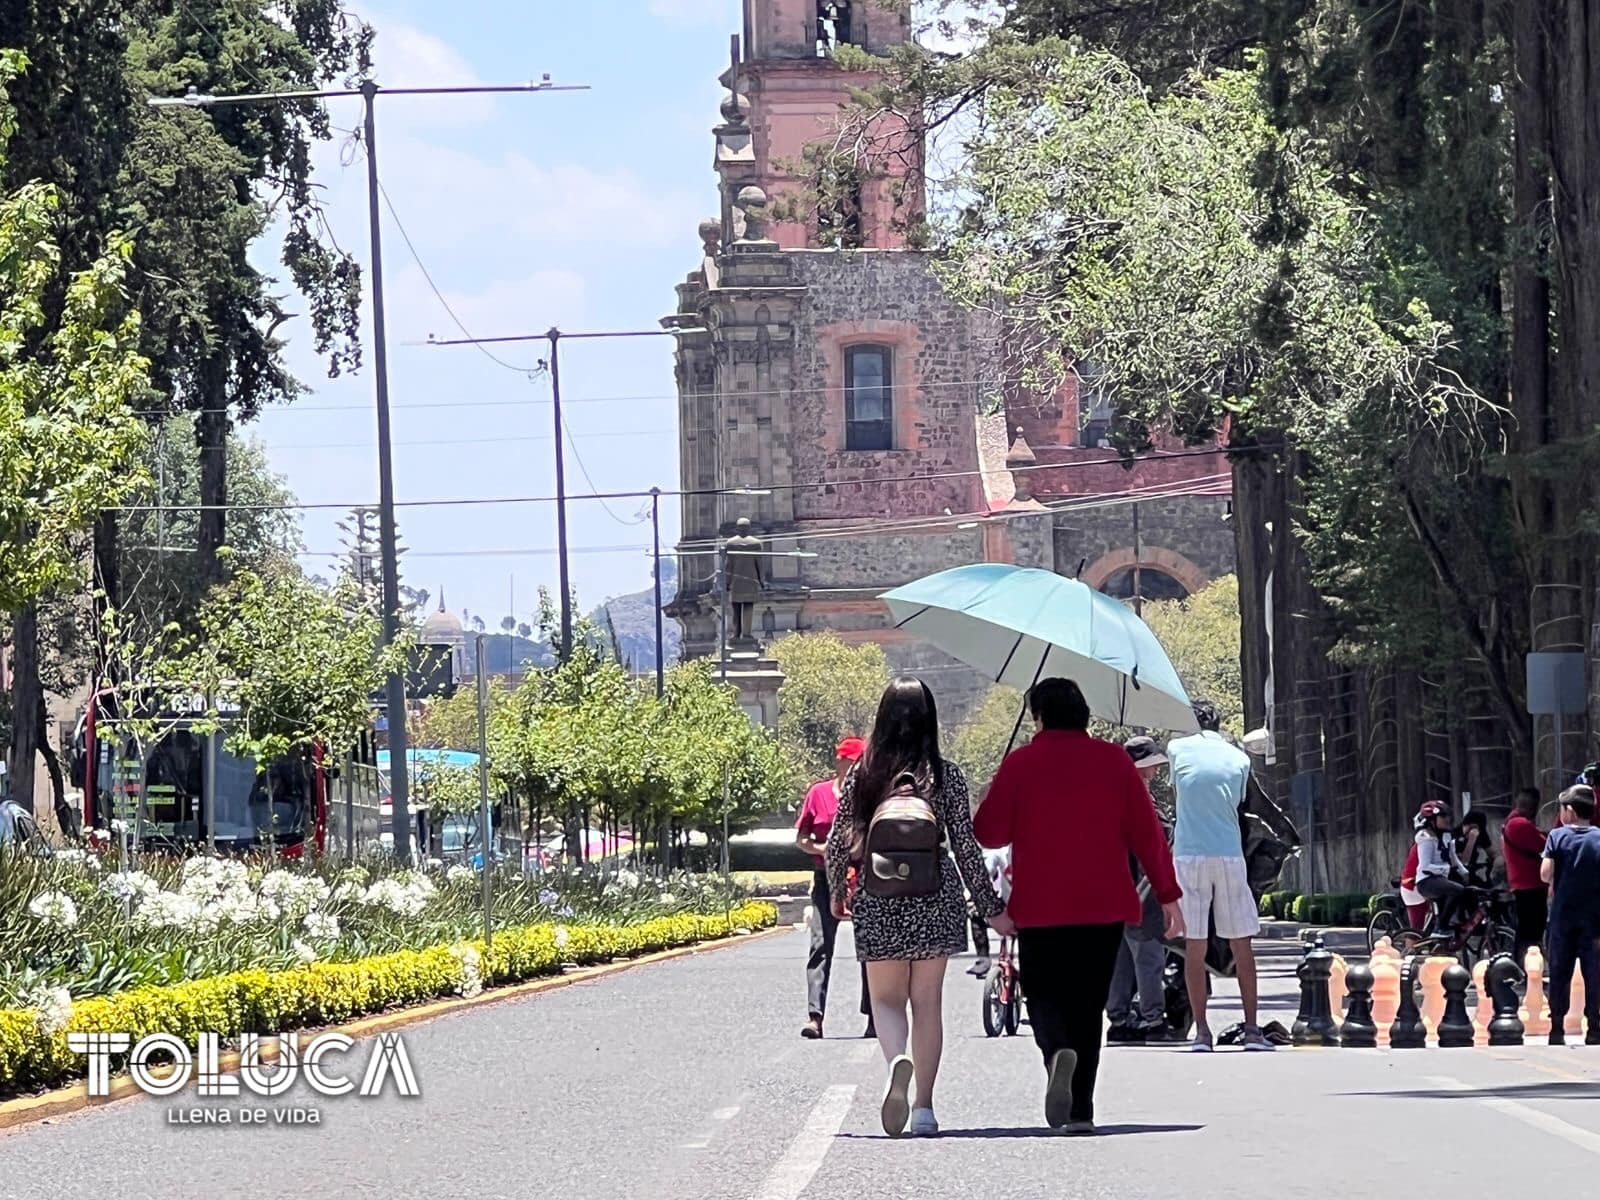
830 691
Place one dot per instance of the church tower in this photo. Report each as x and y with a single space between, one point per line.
827 384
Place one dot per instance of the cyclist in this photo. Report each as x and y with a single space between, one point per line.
1437 862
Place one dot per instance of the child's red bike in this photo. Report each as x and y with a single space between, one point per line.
1002 995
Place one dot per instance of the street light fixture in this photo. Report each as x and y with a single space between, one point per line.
395 686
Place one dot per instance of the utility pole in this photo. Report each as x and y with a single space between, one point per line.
655 538
395 685
485 838
561 496
555 336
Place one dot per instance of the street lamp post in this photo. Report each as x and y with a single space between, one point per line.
395 685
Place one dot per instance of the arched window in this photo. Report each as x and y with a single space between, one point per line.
868 411
1154 584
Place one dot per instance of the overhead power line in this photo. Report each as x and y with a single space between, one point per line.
745 489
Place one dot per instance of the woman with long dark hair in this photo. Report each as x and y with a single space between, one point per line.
906 940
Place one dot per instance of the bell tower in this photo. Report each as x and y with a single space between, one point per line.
789 94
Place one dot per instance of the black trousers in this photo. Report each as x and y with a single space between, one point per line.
819 964
1574 943
1066 978
1533 912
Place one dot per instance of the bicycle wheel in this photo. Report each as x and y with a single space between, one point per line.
1013 1016
993 1008
1385 923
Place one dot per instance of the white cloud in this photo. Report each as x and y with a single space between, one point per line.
695 12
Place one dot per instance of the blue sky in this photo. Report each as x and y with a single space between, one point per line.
575 209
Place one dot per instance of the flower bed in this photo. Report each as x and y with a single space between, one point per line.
33 1047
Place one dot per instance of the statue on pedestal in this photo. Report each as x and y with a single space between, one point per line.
745 577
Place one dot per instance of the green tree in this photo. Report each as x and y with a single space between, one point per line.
1201 636
68 441
830 691
295 663
980 742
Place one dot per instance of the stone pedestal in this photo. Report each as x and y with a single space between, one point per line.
757 677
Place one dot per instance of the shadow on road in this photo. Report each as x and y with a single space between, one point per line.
992 1134
1512 1091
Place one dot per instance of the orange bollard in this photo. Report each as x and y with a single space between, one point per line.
1535 1012
1485 1010
1575 1009
1336 988
1385 989
1432 976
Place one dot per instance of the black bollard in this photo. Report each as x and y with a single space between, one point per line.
1314 1026
1455 1026
1501 979
1408 1031
1359 1032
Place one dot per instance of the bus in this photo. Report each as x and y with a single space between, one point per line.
187 789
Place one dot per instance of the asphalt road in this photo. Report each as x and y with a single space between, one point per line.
686 1080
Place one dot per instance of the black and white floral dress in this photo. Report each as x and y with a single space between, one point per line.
916 927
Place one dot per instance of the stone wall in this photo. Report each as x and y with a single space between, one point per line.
1182 535
940 354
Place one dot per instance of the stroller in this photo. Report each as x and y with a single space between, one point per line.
1270 839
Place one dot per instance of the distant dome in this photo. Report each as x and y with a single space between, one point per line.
442 628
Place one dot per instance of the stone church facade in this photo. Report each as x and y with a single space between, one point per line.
858 416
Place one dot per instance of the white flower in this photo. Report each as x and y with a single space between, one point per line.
54 908
668 898
627 878
348 890
562 937
294 895
75 857
471 969
460 876
406 894
322 926
130 885
434 864
168 910
52 1008
303 952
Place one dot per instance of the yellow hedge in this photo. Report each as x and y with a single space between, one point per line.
333 992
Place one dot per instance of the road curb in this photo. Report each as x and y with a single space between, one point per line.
74 1097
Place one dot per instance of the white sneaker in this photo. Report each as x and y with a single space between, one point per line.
896 1101
924 1123
979 969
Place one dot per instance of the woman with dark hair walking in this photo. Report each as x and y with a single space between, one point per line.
904 931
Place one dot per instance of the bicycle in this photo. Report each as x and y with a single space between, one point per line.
1489 930
1391 919
1002 995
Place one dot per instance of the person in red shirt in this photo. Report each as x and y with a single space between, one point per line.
811 835
1522 842
1073 808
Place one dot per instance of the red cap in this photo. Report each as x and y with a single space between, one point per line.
851 749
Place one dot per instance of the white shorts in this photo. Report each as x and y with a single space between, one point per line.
1217 888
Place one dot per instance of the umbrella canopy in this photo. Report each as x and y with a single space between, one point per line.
1018 625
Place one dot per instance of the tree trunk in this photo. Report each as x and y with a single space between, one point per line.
66 819
211 436
27 694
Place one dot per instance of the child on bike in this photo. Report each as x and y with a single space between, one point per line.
999 864
1437 862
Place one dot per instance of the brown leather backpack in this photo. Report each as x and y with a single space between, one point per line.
904 844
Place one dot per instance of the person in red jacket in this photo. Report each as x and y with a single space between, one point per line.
1522 842
1072 808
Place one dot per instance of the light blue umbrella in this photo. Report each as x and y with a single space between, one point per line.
1018 625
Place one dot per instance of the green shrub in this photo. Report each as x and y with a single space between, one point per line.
324 993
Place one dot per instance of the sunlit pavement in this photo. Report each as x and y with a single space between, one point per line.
688 1079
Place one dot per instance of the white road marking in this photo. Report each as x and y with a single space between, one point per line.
795 1170
1537 1118
721 1116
